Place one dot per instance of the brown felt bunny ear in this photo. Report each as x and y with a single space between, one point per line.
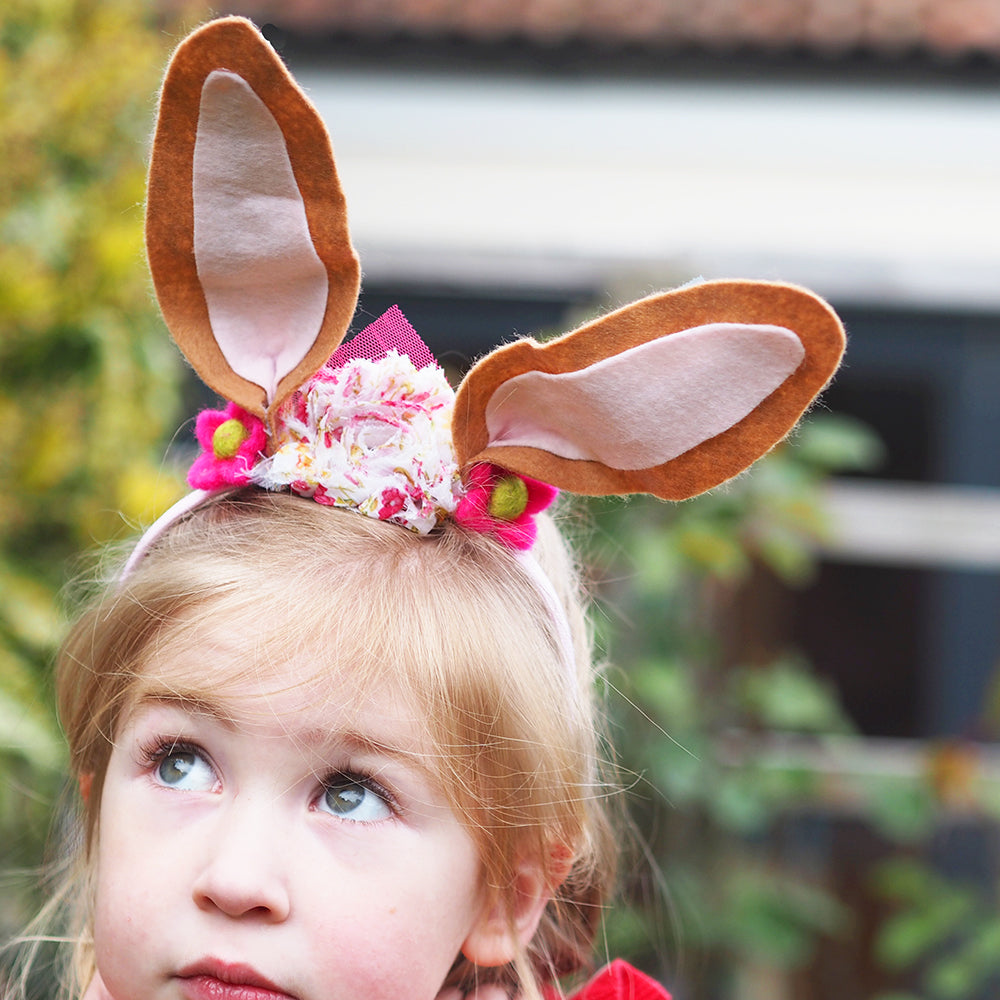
246 226
671 395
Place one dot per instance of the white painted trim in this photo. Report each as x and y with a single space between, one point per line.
878 194
914 524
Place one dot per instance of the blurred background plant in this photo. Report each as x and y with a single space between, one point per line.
690 719
88 379
743 762
945 929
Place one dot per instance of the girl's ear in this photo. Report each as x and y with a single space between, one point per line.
246 225
671 395
506 926
86 782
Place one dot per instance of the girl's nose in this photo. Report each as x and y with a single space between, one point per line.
244 874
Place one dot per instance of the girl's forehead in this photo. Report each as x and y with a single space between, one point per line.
246 680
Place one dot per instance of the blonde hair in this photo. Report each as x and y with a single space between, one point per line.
451 617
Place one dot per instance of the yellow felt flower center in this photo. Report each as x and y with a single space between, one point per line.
228 437
509 498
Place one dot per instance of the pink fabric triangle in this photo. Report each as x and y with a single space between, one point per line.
390 331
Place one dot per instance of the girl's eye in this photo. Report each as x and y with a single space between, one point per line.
353 798
185 769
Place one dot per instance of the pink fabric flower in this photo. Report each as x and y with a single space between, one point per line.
504 504
232 441
393 501
371 436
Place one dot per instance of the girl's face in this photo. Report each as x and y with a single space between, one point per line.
276 841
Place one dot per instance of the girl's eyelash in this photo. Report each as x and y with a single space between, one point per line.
155 750
364 778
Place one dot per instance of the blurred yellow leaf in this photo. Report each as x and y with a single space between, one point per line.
28 611
145 492
88 378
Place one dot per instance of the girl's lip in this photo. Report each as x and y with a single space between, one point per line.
212 979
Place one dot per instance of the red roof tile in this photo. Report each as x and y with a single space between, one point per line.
947 27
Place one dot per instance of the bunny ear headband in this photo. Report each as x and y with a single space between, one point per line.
247 239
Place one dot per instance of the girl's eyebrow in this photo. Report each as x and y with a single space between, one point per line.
189 703
362 745
321 739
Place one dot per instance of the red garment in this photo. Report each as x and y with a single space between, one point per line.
618 981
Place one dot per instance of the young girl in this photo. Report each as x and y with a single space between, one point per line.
333 723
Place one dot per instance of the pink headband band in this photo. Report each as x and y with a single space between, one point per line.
346 478
562 633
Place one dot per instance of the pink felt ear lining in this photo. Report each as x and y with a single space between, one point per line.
701 467
649 404
264 285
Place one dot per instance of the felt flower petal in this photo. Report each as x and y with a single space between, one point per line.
229 452
473 510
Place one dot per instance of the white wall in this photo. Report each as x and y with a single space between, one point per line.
887 195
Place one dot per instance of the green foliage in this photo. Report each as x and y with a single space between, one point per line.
88 381
902 811
773 918
721 732
948 930
701 711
